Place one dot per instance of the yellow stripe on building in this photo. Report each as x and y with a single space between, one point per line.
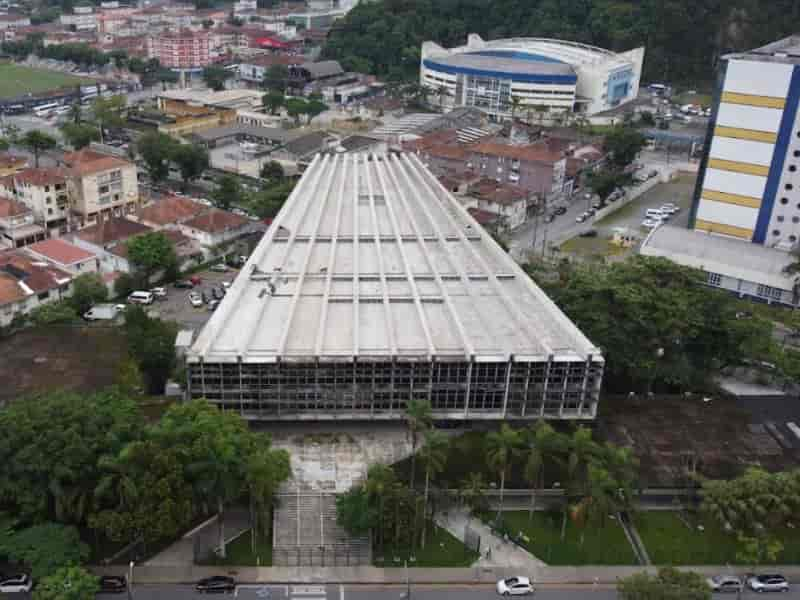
753 100
746 134
738 167
728 198
740 232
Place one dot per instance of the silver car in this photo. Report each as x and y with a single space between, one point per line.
768 583
725 583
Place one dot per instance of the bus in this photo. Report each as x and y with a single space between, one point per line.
44 110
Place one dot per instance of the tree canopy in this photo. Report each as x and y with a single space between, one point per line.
683 39
216 76
87 289
38 141
668 584
43 548
191 161
151 252
157 150
68 583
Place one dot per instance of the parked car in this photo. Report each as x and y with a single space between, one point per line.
591 212
212 305
184 284
140 297
196 280
226 285
219 268
103 312
195 300
589 233
725 583
550 218
560 210
217 583
597 205
768 583
515 586
582 217
653 173
113 584
215 293
159 292
650 223
14 584
670 208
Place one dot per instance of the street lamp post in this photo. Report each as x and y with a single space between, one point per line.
130 580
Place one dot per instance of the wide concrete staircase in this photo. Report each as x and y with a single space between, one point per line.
305 533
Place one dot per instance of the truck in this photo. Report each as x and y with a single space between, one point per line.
103 312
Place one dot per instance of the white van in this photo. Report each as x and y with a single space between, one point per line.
141 298
655 214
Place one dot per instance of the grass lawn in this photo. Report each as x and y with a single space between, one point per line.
703 100
599 246
669 541
240 552
441 550
606 545
16 80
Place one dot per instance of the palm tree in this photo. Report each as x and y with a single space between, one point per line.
582 449
503 446
37 142
379 485
264 471
434 454
75 113
472 491
542 443
418 418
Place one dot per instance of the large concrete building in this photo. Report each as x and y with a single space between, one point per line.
746 185
561 75
372 287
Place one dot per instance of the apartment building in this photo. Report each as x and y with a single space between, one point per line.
82 18
100 183
44 191
26 283
748 185
182 50
17 225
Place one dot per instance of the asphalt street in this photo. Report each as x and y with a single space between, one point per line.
394 592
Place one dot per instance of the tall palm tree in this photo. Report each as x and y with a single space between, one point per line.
379 485
541 444
434 455
418 418
582 450
265 470
503 446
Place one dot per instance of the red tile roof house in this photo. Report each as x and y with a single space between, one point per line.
215 228
168 212
26 283
17 226
103 238
66 256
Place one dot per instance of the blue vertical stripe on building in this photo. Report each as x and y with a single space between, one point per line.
778 158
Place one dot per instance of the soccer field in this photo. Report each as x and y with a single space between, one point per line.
16 80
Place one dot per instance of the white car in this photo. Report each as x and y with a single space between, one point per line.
515 586
650 223
219 267
195 300
670 208
226 285
768 583
159 292
16 584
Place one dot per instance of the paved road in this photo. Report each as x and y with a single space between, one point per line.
351 592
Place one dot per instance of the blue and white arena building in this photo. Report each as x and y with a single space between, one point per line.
564 76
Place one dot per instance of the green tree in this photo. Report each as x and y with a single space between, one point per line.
540 443
380 484
4 145
151 343
49 472
419 418
603 183
53 313
472 491
268 202
623 144
295 108
228 193
144 494
273 101
37 142
79 135
87 290
314 108
354 511
272 170
276 78
215 77
668 584
502 447
149 253
124 284
265 469
191 160
68 583
434 454
107 113
157 150
44 548
214 447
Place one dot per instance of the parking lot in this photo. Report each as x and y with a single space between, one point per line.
176 306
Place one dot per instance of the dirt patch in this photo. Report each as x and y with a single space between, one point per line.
85 359
672 436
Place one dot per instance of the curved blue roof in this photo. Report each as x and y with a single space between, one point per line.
527 70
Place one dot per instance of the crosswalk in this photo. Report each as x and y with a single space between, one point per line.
281 592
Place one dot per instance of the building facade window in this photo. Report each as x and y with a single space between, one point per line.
715 279
768 292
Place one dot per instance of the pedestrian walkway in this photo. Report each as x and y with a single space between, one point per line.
495 551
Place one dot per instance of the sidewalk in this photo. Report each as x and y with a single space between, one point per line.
495 552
